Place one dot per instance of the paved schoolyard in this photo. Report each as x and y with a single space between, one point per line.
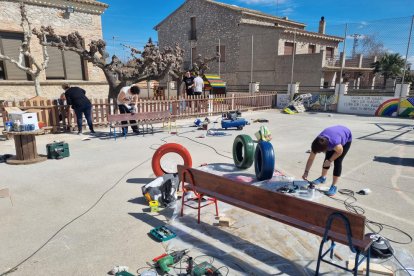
52 196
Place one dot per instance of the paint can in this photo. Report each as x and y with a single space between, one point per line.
154 205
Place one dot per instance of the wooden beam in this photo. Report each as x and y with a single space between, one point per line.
303 214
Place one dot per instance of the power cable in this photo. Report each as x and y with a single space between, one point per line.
350 206
73 220
195 141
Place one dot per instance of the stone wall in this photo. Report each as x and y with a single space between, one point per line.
307 69
87 24
212 22
235 30
303 42
51 90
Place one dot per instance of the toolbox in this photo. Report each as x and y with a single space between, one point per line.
162 233
57 150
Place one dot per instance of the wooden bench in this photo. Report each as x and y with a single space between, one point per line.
143 120
330 223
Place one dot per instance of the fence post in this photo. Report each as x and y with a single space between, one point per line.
111 106
210 105
232 101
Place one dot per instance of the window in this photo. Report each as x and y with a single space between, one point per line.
311 49
222 52
193 32
9 46
289 48
193 55
2 75
64 65
329 52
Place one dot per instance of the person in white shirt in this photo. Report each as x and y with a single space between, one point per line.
127 103
198 85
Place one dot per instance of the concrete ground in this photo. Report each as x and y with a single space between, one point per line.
84 214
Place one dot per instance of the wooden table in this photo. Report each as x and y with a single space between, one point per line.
26 150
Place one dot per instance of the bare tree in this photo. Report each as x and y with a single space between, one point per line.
370 46
149 64
35 67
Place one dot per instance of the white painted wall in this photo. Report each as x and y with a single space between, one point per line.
361 105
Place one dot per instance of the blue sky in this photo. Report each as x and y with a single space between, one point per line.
131 21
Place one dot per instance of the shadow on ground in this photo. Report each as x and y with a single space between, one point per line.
395 161
139 180
262 255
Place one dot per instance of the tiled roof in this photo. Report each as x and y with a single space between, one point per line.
314 34
238 9
255 12
89 6
92 2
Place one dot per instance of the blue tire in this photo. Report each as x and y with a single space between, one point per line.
264 161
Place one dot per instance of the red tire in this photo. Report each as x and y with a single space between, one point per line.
167 148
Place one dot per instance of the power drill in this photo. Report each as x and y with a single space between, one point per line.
204 268
171 259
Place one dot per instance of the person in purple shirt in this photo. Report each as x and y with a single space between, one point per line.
335 141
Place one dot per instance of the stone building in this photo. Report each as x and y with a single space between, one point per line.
254 46
65 16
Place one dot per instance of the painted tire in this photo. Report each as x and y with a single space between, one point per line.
167 148
243 144
264 161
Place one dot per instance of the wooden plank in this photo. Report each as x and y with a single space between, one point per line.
379 269
31 146
96 110
25 147
55 117
18 146
300 213
103 108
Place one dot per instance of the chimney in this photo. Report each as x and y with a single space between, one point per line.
322 25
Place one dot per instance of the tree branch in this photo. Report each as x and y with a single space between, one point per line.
11 60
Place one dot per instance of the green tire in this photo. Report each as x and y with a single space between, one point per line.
243 151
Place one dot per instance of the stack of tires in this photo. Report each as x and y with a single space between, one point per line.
244 154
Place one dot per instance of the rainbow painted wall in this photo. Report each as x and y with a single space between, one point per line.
389 108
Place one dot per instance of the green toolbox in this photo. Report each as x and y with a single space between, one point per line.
57 150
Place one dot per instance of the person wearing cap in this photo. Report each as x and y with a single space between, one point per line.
335 142
76 97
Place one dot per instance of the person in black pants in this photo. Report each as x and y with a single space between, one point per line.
127 103
75 96
335 142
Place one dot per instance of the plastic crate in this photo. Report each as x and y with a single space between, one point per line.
162 233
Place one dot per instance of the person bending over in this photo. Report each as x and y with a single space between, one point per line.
76 97
127 103
335 142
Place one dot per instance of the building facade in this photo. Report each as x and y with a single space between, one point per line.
65 16
253 46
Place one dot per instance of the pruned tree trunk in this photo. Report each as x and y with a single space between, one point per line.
35 67
38 88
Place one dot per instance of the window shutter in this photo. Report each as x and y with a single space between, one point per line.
54 69
289 48
11 47
73 65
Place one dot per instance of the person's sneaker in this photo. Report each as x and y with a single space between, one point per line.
318 181
93 132
79 132
332 191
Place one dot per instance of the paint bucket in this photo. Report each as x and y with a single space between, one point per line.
154 206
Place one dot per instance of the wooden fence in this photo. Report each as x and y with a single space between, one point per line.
60 118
